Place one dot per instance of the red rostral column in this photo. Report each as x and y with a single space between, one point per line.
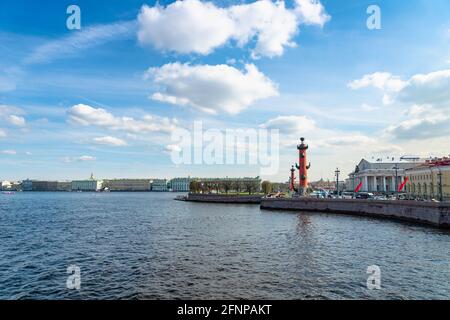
303 167
292 180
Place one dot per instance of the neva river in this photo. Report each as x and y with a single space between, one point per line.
148 246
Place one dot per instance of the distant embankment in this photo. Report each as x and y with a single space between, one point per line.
436 214
223 198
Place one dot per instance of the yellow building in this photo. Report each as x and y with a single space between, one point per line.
430 179
129 185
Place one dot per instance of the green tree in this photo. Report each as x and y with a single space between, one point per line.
237 185
194 187
226 185
266 187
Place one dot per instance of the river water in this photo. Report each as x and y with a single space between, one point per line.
148 246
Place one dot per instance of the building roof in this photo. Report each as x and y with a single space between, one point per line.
437 162
389 163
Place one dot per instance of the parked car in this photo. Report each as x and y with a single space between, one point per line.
364 195
347 195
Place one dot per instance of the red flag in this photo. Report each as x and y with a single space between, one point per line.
358 188
403 184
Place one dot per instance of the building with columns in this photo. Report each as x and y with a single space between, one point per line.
430 180
380 174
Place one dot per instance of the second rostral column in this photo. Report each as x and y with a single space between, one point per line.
302 167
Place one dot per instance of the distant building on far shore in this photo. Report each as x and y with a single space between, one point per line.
6 185
64 186
159 185
27 185
87 185
44 185
127 185
180 184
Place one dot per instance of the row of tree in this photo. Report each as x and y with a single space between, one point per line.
225 186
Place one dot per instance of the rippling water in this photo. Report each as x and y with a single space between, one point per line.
148 246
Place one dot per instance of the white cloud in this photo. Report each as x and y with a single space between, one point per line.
9 152
211 88
423 122
192 26
184 26
270 23
2 133
421 89
86 38
311 12
12 115
384 81
79 159
427 94
86 158
291 124
16 120
110 141
432 88
86 115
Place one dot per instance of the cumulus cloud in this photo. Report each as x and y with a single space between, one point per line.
384 81
211 88
311 12
427 94
192 26
85 115
270 23
110 141
184 26
291 124
423 121
432 88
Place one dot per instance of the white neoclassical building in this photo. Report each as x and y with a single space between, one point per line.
380 174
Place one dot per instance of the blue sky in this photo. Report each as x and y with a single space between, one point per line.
351 91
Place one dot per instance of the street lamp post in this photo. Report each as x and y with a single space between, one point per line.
353 184
337 180
441 196
396 177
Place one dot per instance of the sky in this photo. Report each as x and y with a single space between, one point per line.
107 98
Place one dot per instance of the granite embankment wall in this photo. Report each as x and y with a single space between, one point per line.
436 214
222 198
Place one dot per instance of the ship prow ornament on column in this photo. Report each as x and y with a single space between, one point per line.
292 188
302 167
